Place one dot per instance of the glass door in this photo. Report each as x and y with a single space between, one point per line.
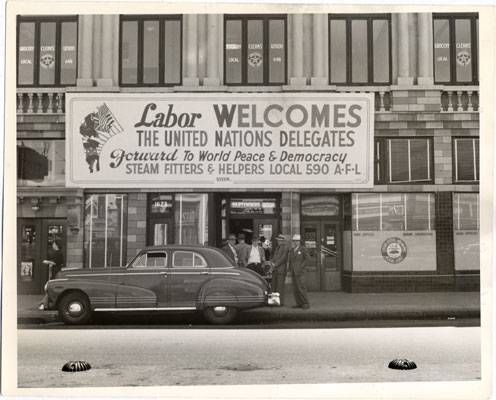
323 241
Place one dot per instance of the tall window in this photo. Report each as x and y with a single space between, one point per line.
466 159
151 50
456 48
360 49
41 162
255 50
393 212
105 230
403 160
191 218
46 51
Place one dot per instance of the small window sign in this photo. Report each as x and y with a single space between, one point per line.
26 271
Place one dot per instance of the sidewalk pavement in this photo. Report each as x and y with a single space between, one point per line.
331 306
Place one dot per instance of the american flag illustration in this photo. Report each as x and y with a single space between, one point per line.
97 128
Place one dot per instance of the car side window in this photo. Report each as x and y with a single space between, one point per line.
151 260
188 259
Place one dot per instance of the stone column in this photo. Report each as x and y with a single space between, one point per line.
106 56
298 79
425 53
404 77
191 77
86 51
318 75
212 78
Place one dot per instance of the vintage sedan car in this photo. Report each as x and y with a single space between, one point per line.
160 278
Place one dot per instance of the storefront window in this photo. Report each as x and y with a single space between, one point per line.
151 50
393 212
455 48
466 227
359 49
403 160
466 159
105 230
47 51
40 162
255 50
191 218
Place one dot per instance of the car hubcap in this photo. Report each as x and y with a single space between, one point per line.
75 308
220 310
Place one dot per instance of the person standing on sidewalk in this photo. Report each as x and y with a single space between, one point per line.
298 258
279 266
230 250
256 257
243 250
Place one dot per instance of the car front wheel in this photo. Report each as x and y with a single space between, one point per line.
220 315
74 308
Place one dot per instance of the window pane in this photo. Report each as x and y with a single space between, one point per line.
172 73
68 53
463 38
466 211
464 159
393 212
40 163
419 159
441 51
233 52
26 54
419 211
277 55
183 259
151 36
366 212
381 51
129 73
255 52
338 51
359 60
398 160
47 53
191 218
104 227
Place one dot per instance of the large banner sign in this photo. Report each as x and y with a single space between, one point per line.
219 140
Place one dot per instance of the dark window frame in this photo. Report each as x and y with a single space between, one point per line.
37 20
452 17
381 161
161 58
455 160
348 18
244 37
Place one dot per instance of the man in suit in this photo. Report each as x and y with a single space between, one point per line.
230 248
298 258
279 266
243 250
256 257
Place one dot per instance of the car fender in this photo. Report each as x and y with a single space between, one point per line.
230 292
100 293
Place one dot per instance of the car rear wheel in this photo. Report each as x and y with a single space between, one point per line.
74 308
220 315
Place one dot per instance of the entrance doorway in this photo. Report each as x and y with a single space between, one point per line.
38 240
323 241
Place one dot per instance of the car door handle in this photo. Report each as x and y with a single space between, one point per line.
204 273
164 274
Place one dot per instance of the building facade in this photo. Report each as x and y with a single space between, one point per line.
414 228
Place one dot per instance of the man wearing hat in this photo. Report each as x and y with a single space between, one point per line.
279 265
243 250
230 249
298 258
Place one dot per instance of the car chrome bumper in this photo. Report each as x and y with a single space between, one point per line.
273 299
43 306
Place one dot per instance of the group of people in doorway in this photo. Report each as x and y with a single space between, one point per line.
284 255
